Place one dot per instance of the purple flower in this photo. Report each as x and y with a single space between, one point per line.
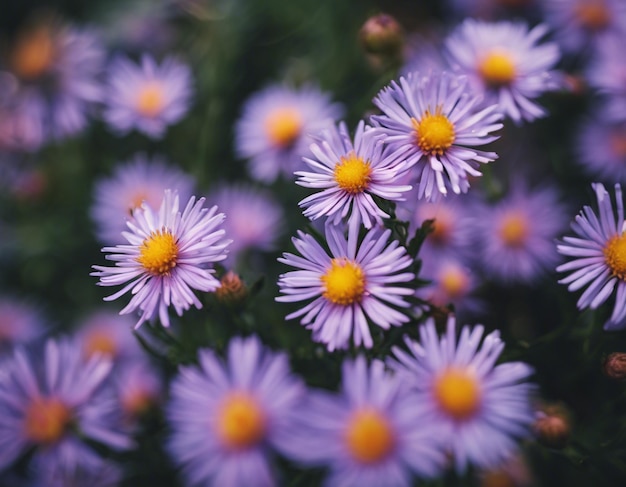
601 147
515 236
374 433
140 180
597 256
478 408
349 175
505 64
168 255
139 388
147 97
492 9
432 122
606 73
353 284
20 323
275 128
92 471
228 416
52 403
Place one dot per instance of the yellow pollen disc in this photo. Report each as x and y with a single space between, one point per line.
615 255
46 420
497 69
434 133
158 253
241 422
33 54
514 229
151 100
458 393
344 282
283 126
100 342
454 282
369 436
592 14
353 174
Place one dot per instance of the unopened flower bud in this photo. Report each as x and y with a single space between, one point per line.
552 427
615 366
382 34
232 290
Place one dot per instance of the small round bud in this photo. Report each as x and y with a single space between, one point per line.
615 366
232 290
552 427
382 34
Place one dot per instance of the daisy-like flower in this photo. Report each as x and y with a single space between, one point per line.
350 284
275 129
374 433
478 408
601 148
139 388
348 175
606 73
168 255
140 180
505 63
53 402
147 96
597 256
57 68
516 235
93 471
254 219
432 122
228 417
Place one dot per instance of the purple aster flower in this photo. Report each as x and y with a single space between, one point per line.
601 148
21 120
20 323
142 179
139 388
275 128
227 417
432 121
53 402
515 237
168 255
349 175
374 433
580 24
93 471
57 68
505 63
480 409
353 284
254 219
597 256
606 73
147 96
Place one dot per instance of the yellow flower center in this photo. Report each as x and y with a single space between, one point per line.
241 422
514 229
434 132
353 174
159 252
344 282
46 420
454 281
369 436
497 69
615 255
151 100
592 14
283 126
458 393
99 342
33 53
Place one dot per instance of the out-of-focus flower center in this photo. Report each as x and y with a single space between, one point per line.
434 132
136 201
46 420
151 100
100 342
458 393
353 174
137 401
283 126
618 143
33 54
453 281
497 478
159 253
344 282
615 255
497 69
514 229
369 436
241 422
592 14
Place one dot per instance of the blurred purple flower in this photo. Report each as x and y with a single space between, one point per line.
606 74
20 323
601 147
